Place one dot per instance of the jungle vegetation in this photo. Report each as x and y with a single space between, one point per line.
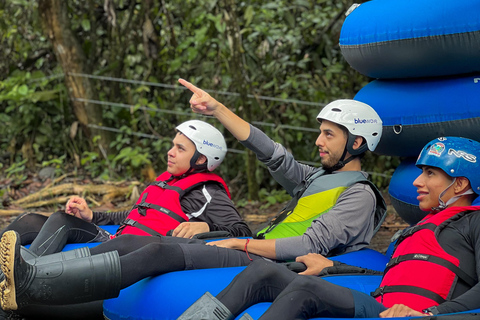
91 86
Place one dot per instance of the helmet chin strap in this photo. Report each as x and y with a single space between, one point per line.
348 147
442 205
341 163
194 167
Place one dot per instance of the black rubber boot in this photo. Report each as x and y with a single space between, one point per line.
61 282
27 254
207 307
245 316
56 257
33 259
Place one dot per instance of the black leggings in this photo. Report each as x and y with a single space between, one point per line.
145 256
140 256
294 296
27 225
48 235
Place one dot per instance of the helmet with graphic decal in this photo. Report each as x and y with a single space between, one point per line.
359 119
458 157
208 142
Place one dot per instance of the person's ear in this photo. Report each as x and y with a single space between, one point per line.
461 185
201 160
357 143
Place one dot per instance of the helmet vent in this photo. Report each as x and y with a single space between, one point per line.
336 110
375 134
190 126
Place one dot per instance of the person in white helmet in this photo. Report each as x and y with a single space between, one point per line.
348 209
344 220
192 201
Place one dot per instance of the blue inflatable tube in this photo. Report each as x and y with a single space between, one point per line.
403 194
167 296
166 307
417 111
413 38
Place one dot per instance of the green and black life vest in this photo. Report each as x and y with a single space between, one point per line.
315 196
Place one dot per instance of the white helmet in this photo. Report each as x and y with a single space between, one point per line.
358 118
208 142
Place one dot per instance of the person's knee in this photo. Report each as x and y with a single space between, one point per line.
129 238
261 269
60 217
26 215
307 283
30 217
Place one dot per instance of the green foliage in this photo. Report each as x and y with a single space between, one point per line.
30 106
95 165
131 157
273 197
17 171
288 50
381 168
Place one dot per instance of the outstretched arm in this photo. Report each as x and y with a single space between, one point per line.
202 102
264 248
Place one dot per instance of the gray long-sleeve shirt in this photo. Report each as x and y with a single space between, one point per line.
348 226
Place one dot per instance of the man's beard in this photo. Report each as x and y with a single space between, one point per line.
331 161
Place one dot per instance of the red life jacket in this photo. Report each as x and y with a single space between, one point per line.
158 209
421 274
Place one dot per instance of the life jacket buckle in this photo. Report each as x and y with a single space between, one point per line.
393 261
161 184
142 210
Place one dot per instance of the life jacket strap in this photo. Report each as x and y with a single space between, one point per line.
410 231
433 259
408 289
286 211
164 185
143 206
136 224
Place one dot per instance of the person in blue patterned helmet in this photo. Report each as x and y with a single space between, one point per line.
433 270
459 159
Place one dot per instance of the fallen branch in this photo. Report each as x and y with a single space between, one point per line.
255 218
57 180
394 225
117 192
92 200
70 188
11 212
18 212
59 200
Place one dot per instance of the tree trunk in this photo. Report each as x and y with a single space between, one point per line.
240 81
56 24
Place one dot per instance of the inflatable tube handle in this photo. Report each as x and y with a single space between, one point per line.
212 234
295 266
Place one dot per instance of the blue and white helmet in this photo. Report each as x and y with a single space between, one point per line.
358 118
208 142
458 157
